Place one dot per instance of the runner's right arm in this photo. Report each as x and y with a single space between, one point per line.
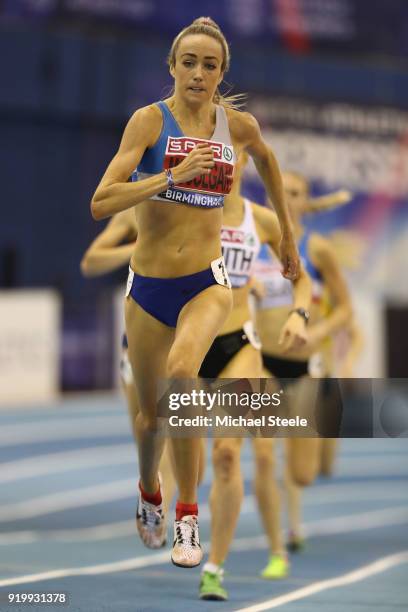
114 193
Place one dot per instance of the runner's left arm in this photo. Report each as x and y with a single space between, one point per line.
107 253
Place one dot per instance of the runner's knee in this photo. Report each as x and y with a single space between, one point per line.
225 460
148 423
264 461
181 366
303 475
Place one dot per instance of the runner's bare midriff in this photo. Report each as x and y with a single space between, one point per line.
183 239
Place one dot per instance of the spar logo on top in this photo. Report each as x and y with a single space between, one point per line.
219 180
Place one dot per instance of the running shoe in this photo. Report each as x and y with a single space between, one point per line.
186 546
295 543
210 586
277 568
151 524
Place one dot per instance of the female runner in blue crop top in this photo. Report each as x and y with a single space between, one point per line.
178 296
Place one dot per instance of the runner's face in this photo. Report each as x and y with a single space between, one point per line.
295 191
197 71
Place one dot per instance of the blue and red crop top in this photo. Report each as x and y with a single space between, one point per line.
172 146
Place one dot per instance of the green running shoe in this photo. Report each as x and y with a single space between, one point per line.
210 587
277 568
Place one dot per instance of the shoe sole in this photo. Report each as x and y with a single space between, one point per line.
295 548
151 547
275 577
145 544
185 566
212 597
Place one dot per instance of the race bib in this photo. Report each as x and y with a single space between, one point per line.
129 281
252 335
126 369
220 272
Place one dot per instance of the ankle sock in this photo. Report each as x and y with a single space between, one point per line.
213 568
151 498
185 509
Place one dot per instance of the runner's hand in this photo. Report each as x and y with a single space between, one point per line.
289 257
293 335
199 161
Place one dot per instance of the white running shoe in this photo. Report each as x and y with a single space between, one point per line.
186 547
151 524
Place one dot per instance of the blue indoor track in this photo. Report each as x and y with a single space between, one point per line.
68 492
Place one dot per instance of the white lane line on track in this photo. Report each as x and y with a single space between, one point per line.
64 461
115 454
33 416
361 573
124 489
348 493
13 435
75 498
108 531
399 470
55 463
356 522
340 524
345 524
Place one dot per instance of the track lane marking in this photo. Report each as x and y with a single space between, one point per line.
361 573
68 429
344 524
66 461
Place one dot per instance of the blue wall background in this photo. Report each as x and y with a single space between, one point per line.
65 99
67 90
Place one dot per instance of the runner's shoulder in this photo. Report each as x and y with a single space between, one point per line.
243 125
146 120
